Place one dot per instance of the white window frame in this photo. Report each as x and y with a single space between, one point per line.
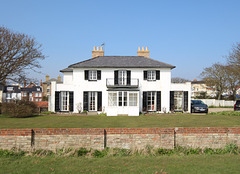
151 75
92 75
92 101
133 98
122 98
112 99
122 77
64 101
152 101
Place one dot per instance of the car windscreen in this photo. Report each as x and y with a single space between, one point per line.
197 102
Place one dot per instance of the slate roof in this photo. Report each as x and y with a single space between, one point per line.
119 62
12 89
32 89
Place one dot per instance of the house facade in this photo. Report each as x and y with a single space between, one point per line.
11 93
199 88
46 85
32 92
119 85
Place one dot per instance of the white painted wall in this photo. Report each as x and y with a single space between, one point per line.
15 96
75 82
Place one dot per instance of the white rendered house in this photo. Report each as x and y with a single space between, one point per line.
119 85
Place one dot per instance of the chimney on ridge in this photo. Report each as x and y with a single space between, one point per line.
96 53
59 78
143 52
47 77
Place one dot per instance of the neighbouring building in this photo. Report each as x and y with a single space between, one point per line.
11 92
199 88
119 85
46 86
32 92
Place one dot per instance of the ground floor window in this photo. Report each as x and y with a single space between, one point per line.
133 99
63 101
151 101
92 101
178 100
122 98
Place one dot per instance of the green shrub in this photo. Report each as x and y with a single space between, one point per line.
19 109
47 112
231 148
82 152
100 154
102 114
11 153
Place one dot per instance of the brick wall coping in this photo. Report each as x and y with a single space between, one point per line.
101 131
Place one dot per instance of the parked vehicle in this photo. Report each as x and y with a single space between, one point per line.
237 106
198 106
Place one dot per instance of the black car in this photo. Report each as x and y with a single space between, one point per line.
237 106
198 106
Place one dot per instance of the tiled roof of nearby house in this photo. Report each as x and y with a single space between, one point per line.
198 82
119 62
42 104
32 89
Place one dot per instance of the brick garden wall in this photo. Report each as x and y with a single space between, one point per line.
98 138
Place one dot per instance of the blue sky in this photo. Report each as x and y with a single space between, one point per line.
190 34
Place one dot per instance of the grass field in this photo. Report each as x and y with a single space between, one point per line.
164 120
139 164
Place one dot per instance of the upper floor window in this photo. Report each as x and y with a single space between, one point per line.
92 75
9 88
151 75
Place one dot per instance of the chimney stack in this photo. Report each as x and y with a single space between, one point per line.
47 78
143 52
25 83
96 53
59 78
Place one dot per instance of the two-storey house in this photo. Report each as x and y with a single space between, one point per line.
32 92
11 93
119 85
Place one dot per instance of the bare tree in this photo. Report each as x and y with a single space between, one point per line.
18 52
234 58
216 76
232 80
179 80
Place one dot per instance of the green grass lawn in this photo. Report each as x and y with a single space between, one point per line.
146 121
227 163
